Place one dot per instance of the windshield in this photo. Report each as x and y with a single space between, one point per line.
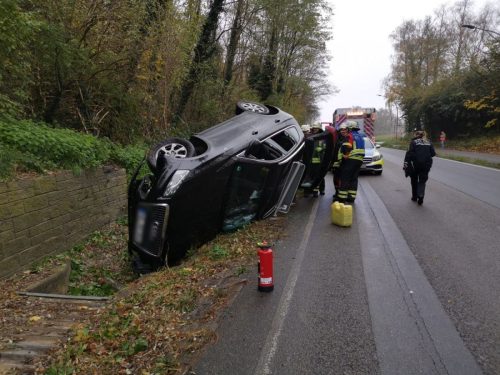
368 143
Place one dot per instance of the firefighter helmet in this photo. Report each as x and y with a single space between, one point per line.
352 125
317 126
343 126
305 128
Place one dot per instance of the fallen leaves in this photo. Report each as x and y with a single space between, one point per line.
164 319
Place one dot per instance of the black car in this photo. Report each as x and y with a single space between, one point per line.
244 169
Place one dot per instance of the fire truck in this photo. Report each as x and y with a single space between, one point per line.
365 118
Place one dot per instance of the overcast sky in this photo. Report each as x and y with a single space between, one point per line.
361 48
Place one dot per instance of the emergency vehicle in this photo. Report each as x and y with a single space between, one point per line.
364 117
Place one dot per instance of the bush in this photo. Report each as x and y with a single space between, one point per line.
128 157
30 146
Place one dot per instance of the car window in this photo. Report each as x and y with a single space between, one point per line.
267 150
244 196
287 138
368 144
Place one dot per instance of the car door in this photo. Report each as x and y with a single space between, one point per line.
258 177
317 156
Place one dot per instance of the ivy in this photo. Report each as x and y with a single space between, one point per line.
30 146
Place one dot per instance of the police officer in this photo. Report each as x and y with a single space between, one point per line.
351 154
417 164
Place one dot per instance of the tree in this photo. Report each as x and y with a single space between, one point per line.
204 50
439 68
17 29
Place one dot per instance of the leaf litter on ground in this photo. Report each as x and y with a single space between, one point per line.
156 324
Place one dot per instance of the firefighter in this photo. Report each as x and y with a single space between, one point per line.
334 137
307 156
317 158
417 164
306 129
351 154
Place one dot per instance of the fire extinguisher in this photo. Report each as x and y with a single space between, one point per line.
265 267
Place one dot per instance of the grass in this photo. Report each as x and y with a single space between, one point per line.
477 144
467 160
98 266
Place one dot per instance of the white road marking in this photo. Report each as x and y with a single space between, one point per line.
269 350
413 333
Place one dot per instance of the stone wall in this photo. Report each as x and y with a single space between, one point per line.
49 214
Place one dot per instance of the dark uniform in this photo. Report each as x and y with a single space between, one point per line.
335 163
317 158
417 164
351 154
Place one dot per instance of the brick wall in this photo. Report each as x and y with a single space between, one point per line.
49 214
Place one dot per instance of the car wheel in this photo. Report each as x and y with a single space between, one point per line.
244 106
172 147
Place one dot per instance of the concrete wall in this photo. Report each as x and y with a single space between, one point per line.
49 214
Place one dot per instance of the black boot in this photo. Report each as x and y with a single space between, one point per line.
420 200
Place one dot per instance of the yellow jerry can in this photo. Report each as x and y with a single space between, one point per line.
341 214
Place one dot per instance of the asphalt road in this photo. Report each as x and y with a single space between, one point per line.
407 289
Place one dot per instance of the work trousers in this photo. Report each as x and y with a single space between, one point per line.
336 179
348 180
419 177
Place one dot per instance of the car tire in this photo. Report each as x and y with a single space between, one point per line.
172 147
244 106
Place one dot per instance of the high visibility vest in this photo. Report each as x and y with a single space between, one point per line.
358 149
318 153
353 147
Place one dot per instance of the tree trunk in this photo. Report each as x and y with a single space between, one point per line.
203 51
153 9
269 69
233 42
57 96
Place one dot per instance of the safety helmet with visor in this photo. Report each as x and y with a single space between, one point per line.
352 125
305 128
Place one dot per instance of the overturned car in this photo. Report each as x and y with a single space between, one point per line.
244 169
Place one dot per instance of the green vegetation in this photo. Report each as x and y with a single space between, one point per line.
164 319
446 77
28 146
478 144
218 252
98 266
151 69
464 159
126 73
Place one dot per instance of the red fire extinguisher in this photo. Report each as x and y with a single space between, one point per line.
265 267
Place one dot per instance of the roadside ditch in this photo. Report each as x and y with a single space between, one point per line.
85 311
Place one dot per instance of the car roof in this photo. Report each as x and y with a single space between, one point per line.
238 131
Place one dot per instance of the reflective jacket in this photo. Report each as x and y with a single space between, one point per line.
352 147
318 152
358 150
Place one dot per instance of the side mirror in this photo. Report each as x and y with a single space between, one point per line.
377 145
